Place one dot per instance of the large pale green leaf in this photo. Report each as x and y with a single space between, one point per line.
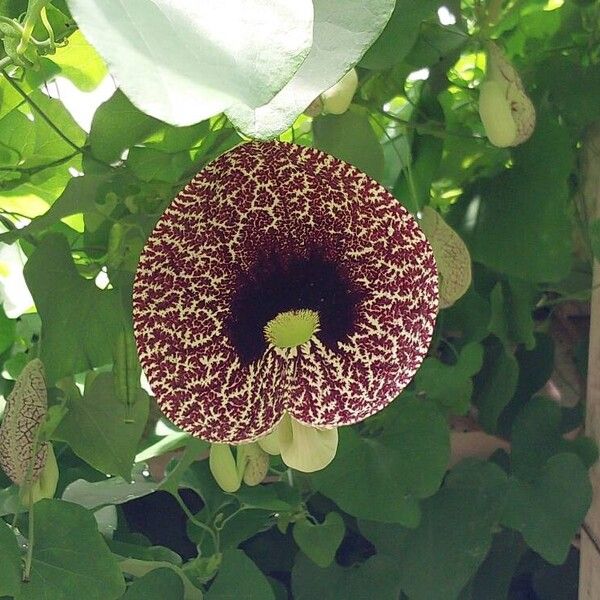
435 560
10 565
239 578
376 578
79 321
343 31
351 138
70 556
383 477
97 430
184 62
115 490
549 510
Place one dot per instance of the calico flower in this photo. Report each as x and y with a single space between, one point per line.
282 282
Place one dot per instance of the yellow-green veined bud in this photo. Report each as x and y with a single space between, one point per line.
26 408
224 468
45 485
337 99
451 255
306 448
253 463
507 113
126 370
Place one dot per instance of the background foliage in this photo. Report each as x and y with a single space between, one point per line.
387 519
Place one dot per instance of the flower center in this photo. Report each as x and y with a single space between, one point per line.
282 300
292 328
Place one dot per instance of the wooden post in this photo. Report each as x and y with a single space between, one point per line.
589 571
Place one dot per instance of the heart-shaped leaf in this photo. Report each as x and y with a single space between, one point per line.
343 31
320 541
182 62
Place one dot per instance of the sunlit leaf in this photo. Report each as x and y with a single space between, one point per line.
343 31
78 330
232 51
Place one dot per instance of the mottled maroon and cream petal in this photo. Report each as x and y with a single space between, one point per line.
272 198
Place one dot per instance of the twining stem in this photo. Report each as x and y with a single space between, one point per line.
188 513
28 484
30 542
34 9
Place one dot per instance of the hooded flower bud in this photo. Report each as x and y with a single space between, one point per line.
26 408
45 485
253 462
507 113
337 99
223 468
451 255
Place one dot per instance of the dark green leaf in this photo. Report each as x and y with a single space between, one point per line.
450 386
239 578
320 541
535 368
79 321
495 384
512 305
468 317
96 428
536 436
399 34
375 578
10 565
70 556
266 497
518 223
382 478
413 187
7 330
492 580
594 231
159 584
351 138
435 560
436 44
549 510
